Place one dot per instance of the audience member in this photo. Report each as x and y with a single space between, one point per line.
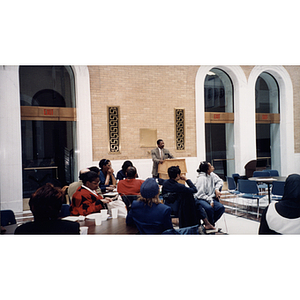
151 216
208 186
122 173
283 217
107 177
159 154
45 205
130 185
76 184
85 200
188 212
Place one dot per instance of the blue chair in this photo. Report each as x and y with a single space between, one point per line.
7 217
274 173
64 211
236 177
265 173
277 190
249 190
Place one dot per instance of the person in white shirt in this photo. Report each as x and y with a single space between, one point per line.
208 194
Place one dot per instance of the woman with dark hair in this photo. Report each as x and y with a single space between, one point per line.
122 173
283 217
86 200
209 187
107 178
45 205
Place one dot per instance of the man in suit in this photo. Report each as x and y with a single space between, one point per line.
159 154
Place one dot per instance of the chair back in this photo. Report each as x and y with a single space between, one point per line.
250 167
248 187
278 188
274 173
231 183
64 211
7 217
261 174
128 199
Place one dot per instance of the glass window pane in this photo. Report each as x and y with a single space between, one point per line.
47 86
266 94
218 92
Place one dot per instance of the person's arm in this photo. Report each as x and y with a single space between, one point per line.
191 188
200 185
129 219
218 184
167 222
170 155
111 175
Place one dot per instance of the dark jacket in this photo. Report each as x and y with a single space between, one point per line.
183 201
149 220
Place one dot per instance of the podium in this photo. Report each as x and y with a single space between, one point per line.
163 168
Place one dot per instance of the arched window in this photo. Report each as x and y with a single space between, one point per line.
219 119
267 122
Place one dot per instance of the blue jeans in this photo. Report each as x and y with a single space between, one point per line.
184 230
213 213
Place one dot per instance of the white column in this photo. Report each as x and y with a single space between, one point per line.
11 195
84 152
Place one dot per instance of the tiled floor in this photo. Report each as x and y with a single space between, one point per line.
232 224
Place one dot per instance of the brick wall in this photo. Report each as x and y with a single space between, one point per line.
147 96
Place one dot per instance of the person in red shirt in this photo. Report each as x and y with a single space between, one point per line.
85 200
130 185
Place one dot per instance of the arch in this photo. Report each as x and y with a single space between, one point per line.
243 151
286 111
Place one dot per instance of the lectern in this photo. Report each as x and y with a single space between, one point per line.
163 168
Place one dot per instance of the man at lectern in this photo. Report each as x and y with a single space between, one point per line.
159 154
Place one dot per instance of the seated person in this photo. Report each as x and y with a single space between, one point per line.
188 213
122 173
130 185
45 205
85 200
283 217
106 176
208 186
150 216
76 184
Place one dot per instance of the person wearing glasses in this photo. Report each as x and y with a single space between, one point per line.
107 178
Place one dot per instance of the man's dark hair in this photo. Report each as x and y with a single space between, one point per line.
103 162
173 171
131 172
89 176
203 167
45 203
94 169
158 141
